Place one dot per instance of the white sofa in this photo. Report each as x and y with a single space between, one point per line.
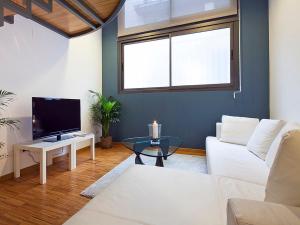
235 161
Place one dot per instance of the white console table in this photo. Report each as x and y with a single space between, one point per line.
43 147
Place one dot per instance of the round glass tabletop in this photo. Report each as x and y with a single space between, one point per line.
162 148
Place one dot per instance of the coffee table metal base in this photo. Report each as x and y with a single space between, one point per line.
138 160
159 160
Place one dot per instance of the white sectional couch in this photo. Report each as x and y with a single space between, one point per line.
235 161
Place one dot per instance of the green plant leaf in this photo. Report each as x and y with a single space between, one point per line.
105 111
5 98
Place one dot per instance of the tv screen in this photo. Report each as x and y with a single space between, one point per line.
53 116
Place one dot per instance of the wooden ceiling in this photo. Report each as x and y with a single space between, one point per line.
69 18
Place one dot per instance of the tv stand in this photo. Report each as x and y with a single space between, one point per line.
59 137
43 147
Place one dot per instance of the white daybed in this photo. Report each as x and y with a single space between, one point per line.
161 196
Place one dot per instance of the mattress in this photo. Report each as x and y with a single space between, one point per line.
159 196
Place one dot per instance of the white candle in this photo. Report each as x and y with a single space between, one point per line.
155 130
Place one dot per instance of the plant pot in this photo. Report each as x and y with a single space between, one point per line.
106 142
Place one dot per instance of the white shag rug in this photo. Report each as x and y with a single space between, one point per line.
192 163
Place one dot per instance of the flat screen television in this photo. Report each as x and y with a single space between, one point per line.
55 117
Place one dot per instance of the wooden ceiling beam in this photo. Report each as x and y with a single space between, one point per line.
77 13
90 12
69 18
45 6
25 12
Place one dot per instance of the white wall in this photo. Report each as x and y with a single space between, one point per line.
35 61
285 59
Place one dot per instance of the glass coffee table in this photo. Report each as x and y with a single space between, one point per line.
159 149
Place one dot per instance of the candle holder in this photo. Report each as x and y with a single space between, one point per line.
154 133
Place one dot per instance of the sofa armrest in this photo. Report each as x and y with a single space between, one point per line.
245 212
218 130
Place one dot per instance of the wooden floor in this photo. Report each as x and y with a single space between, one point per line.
24 201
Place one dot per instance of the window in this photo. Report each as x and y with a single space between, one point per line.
145 15
203 58
146 64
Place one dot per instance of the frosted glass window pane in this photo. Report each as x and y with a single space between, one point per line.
201 58
147 64
141 12
190 7
145 15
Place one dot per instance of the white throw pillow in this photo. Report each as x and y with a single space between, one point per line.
237 130
284 180
238 119
263 137
275 145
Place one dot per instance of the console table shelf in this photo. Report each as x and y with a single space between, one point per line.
43 147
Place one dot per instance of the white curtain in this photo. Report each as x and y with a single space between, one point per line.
146 15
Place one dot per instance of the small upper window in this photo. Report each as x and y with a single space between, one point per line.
146 15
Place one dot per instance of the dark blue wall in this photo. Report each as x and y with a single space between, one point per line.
192 115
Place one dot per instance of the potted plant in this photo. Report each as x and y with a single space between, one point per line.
5 98
105 111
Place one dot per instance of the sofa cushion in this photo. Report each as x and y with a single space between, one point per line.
235 161
284 180
261 213
263 137
275 145
237 130
226 118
